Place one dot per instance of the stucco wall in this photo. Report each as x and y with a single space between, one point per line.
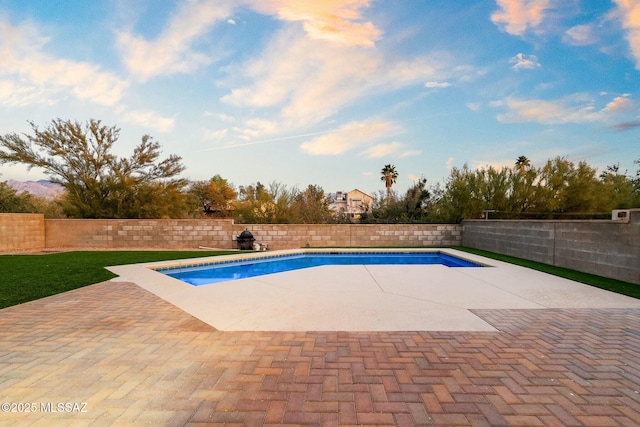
605 248
21 231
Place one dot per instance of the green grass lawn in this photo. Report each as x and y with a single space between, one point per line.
29 277
617 286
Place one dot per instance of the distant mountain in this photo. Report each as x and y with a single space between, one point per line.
41 188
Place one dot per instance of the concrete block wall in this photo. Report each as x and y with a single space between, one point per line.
406 235
221 234
610 249
606 248
131 233
533 240
21 231
291 236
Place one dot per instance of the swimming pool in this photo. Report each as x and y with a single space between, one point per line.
242 269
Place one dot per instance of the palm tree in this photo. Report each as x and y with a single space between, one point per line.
522 163
389 176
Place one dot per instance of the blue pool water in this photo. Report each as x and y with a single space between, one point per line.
222 272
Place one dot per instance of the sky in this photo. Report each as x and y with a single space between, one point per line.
327 92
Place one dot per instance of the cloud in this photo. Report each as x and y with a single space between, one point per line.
524 62
19 94
572 109
29 71
256 128
225 118
149 119
449 163
347 137
410 153
382 150
288 58
580 35
336 21
622 126
437 84
214 134
629 11
546 112
308 80
620 103
517 16
171 52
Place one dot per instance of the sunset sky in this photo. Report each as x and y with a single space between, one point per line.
327 92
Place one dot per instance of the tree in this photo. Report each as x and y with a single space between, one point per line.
618 190
12 202
461 196
311 206
560 187
98 184
389 176
410 208
261 205
494 188
416 201
215 196
522 163
523 190
636 179
565 188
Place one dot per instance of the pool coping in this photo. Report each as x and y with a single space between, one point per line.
251 255
263 255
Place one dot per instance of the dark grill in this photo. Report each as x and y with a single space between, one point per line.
245 240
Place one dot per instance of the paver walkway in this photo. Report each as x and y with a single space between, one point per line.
133 358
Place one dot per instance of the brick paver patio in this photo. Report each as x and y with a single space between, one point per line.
135 359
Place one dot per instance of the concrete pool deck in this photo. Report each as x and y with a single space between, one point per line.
129 357
370 297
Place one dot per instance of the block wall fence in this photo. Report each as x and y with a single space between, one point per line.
606 248
21 231
221 233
